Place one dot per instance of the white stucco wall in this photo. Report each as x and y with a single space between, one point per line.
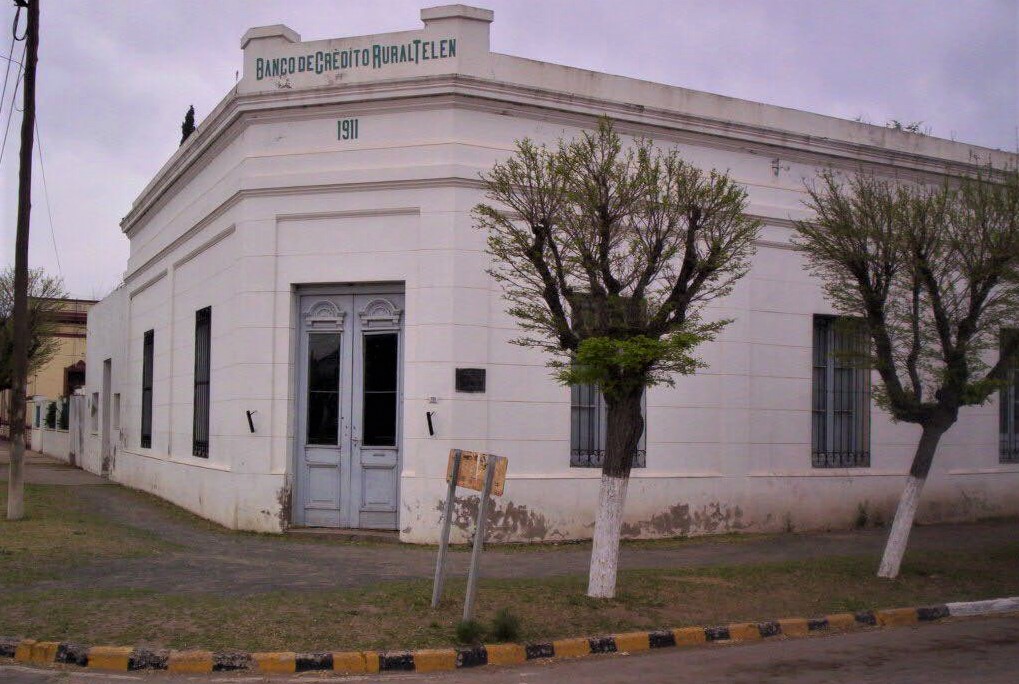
265 198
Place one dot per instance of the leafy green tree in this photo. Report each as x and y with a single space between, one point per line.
932 273
608 254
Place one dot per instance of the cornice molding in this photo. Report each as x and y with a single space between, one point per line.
236 112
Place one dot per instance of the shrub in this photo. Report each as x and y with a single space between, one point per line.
469 632
65 413
51 415
505 626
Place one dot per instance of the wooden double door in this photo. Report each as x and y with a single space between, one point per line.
349 402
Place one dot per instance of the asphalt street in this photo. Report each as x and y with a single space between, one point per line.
984 650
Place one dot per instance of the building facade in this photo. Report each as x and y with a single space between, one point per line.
63 373
306 326
66 370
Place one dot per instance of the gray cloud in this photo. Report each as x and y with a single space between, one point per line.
116 78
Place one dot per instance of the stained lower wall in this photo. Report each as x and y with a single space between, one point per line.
549 510
240 501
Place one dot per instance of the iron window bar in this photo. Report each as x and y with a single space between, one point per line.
203 344
588 426
840 430
148 347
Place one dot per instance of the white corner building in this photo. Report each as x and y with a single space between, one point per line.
306 326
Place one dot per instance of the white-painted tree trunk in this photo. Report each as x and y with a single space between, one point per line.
605 547
895 548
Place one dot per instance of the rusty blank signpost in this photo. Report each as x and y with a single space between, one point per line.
481 472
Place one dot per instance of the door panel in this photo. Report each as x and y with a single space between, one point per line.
376 407
323 458
349 398
377 482
323 388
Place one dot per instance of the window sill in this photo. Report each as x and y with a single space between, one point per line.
180 460
831 472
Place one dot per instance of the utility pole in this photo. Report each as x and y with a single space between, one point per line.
16 478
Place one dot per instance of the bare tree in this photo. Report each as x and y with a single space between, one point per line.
932 273
608 255
44 293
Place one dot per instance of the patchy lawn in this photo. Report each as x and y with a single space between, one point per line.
58 533
396 614
61 534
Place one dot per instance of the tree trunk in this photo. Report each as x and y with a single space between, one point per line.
625 424
15 478
895 547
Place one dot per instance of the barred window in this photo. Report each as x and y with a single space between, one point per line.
840 432
587 429
203 342
1009 403
148 346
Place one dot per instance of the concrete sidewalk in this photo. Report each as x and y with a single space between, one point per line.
207 558
40 469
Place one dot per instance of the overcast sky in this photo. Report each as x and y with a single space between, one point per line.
116 76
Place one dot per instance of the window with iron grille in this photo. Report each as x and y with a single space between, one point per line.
587 429
840 432
148 346
203 343
1009 403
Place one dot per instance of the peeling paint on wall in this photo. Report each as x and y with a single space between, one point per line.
285 499
678 520
506 522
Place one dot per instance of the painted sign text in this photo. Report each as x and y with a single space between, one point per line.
375 57
346 129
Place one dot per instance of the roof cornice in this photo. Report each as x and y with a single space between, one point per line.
237 111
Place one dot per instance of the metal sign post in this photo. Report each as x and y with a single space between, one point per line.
447 518
484 472
479 543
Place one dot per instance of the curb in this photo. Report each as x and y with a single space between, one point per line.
124 658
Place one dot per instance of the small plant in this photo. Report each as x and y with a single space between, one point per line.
65 413
188 127
862 515
915 127
469 632
505 626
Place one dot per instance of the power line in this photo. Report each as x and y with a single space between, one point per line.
7 71
46 194
10 112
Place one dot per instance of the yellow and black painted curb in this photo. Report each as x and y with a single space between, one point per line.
432 660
